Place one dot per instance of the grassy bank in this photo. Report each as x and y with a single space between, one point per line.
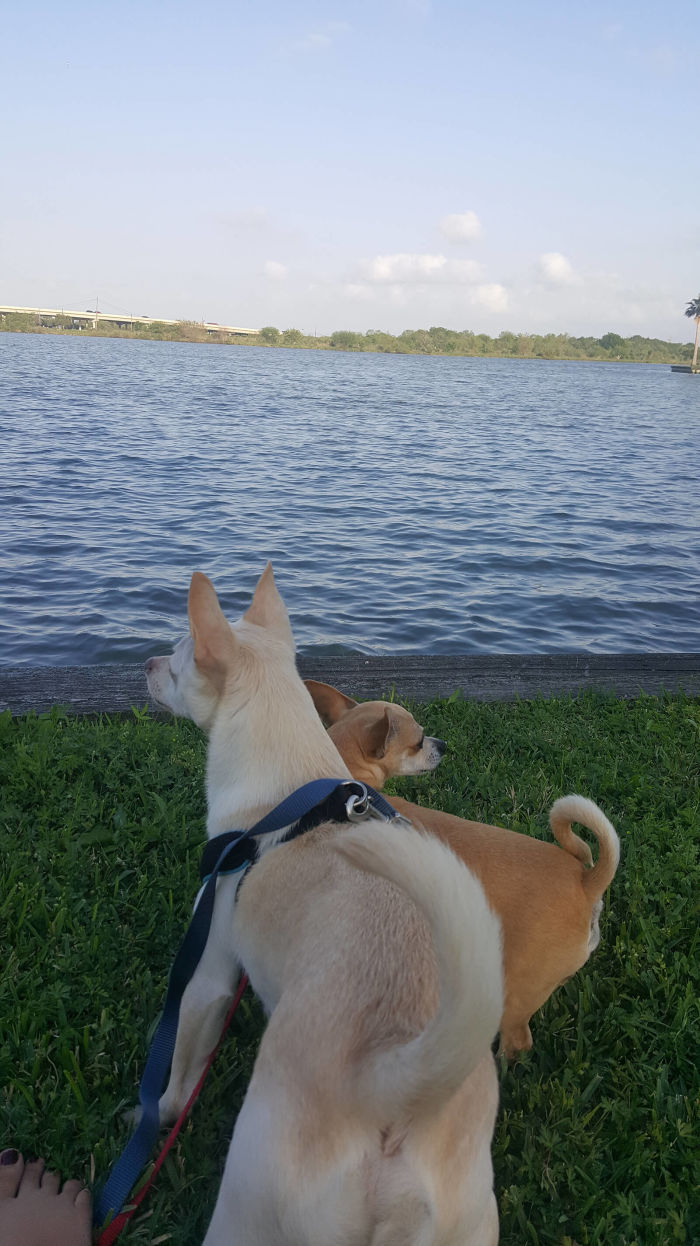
611 347
100 830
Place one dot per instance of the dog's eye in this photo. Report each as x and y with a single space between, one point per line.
420 743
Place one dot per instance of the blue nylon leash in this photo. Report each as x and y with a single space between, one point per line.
232 852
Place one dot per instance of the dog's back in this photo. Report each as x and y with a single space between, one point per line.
384 989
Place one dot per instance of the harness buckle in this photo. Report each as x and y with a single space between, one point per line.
357 806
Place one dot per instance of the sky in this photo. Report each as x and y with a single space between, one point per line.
392 164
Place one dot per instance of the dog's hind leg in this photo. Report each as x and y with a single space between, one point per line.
409 1223
515 1037
487 1232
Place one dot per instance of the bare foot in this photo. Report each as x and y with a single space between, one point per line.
34 1211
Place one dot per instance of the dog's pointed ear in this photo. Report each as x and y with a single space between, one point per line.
268 610
380 733
214 642
331 705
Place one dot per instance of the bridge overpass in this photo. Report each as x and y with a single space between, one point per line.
118 320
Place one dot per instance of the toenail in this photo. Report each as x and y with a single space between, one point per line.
9 1157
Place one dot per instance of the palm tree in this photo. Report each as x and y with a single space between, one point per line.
693 312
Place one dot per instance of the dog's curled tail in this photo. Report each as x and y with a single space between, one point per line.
570 809
419 1075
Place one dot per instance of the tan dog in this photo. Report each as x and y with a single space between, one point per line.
549 901
369 1115
379 738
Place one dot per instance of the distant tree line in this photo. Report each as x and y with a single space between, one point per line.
434 341
441 341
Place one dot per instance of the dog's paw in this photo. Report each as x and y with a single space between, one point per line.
166 1115
515 1039
168 1111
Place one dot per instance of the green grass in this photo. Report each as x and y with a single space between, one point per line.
100 828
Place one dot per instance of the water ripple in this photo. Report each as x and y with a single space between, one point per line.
409 504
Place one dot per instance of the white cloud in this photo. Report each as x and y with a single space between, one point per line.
407 268
555 270
491 296
463 272
461 227
275 271
358 290
404 267
320 39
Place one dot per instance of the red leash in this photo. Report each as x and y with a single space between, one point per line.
115 1226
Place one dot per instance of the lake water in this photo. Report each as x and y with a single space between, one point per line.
409 504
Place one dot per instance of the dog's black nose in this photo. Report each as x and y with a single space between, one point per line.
441 745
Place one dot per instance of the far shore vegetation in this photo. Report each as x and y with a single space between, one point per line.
433 341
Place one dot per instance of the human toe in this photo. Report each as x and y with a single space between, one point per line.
72 1188
50 1183
31 1178
83 1205
11 1169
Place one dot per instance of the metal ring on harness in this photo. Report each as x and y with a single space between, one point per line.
357 807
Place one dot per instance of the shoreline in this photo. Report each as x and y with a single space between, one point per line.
116 688
193 335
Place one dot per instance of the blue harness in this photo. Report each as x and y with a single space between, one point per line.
322 800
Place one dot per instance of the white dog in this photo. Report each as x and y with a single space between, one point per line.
369 1115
